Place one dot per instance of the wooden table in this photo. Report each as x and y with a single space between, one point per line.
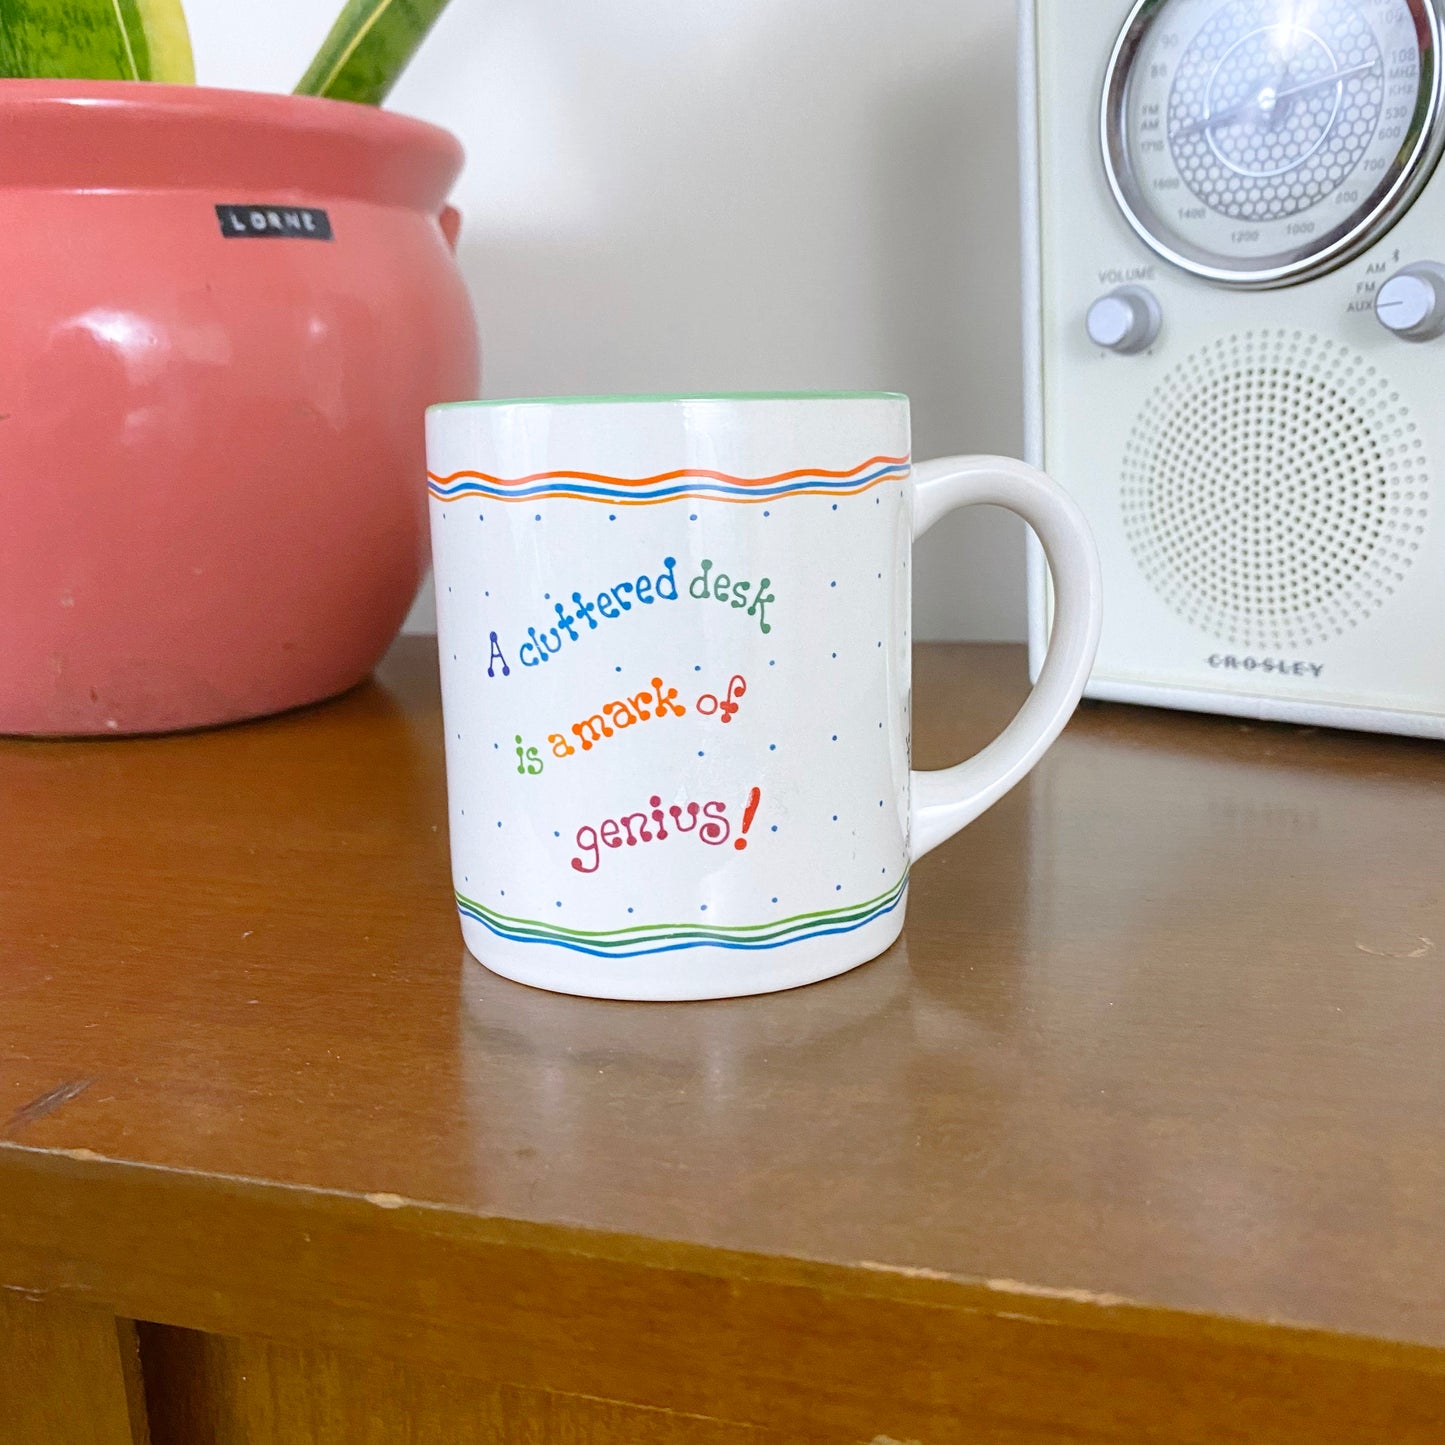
1137 1136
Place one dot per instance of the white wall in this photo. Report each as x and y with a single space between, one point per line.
673 195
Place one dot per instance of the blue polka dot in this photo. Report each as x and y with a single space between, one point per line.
835 654
555 833
546 597
703 907
612 517
766 514
629 910
559 903
772 747
837 888
692 517
832 584
495 746
538 518
835 817
617 669
835 737
771 663
775 827
699 752
775 900
499 822
835 506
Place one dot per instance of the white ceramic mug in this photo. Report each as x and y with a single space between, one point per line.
675 646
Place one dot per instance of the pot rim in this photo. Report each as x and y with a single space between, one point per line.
82 135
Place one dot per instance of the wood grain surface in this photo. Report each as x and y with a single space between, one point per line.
207 1388
69 1374
1134 1136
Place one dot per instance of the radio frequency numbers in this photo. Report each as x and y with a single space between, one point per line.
1257 147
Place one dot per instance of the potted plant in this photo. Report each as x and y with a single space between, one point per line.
225 314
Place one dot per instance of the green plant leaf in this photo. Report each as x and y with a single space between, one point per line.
368 48
95 40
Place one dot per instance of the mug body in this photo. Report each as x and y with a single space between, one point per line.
675 651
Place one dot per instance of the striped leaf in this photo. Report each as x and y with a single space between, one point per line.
95 40
368 48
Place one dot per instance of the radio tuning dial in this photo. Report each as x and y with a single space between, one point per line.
1264 142
1412 302
1125 320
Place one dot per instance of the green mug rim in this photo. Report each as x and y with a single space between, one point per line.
674 397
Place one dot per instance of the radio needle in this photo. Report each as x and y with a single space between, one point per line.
1267 100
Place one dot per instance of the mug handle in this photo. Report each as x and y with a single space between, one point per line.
947 800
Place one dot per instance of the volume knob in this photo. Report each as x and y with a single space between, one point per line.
1412 302
1126 320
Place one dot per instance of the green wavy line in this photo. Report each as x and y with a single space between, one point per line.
700 935
647 931
528 934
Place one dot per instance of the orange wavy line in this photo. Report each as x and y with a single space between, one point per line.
683 497
664 476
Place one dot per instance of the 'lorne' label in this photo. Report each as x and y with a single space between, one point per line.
301 223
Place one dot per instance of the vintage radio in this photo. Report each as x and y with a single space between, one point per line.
1235 336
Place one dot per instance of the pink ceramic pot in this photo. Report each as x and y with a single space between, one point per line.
212 485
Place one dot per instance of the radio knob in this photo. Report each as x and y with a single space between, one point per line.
1412 302
1126 320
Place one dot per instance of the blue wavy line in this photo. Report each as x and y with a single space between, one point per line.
503 494
696 943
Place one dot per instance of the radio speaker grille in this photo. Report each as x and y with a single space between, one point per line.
1275 489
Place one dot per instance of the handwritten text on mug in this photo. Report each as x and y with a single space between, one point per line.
612 603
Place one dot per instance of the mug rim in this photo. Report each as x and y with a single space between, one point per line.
643 398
